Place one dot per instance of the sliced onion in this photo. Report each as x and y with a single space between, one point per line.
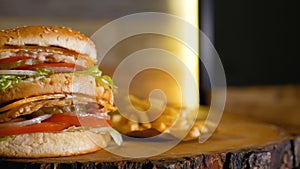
18 72
25 122
82 114
99 116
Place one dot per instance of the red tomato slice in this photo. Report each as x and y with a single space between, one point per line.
67 66
56 67
13 59
70 120
57 122
34 128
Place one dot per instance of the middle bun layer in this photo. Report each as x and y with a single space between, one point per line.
58 83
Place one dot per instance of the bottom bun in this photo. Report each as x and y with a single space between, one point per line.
37 145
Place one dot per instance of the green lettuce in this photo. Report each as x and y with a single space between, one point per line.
104 80
5 138
116 136
9 80
43 72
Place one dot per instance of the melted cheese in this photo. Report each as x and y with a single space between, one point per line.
31 99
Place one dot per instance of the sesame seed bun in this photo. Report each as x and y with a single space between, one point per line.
38 145
47 36
66 83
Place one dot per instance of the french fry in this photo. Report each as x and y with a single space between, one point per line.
179 119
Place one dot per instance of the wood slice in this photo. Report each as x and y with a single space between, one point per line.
273 104
237 143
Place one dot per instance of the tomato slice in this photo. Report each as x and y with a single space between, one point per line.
56 67
34 128
87 120
57 122
19 63
13 59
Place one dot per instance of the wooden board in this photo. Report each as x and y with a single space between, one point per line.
277 105
237 143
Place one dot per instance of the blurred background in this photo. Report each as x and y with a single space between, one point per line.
257 40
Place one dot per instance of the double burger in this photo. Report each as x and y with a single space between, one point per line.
54 101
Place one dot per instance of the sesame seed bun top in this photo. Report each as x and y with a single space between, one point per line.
48 36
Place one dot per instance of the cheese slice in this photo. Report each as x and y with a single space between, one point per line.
31 99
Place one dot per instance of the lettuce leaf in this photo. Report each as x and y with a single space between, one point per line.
104 80
43 72
9 80
116 136
5 138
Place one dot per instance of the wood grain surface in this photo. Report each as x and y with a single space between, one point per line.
279 105
259 129
237 143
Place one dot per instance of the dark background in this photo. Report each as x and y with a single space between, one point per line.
258 41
